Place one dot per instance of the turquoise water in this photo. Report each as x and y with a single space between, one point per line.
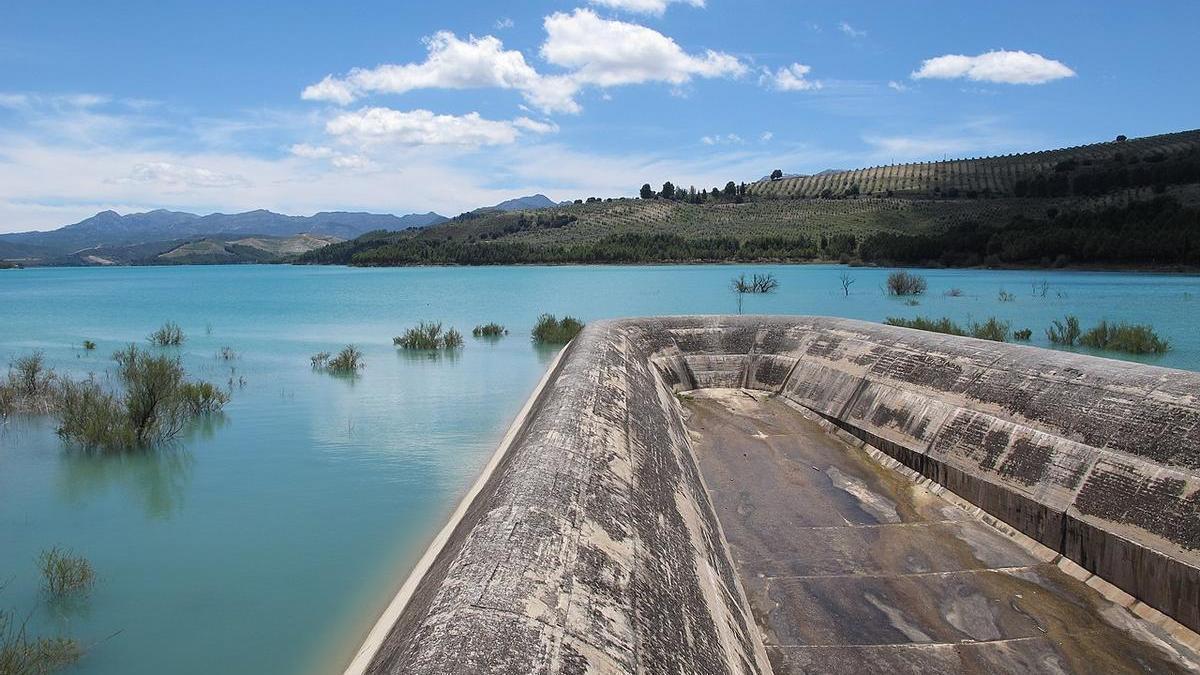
270 539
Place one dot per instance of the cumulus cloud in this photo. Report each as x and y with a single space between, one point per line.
380 126
451 63
607 53
592 51
1005 67
504 23
789 78
655 7
178 175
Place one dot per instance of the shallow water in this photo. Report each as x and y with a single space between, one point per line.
270 539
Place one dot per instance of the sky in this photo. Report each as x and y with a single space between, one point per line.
399 107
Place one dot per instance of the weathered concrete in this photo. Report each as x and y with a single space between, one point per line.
593 545
852 567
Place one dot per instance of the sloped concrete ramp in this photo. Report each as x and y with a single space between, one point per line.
593 544
852 567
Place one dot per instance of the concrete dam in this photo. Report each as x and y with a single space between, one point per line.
802 494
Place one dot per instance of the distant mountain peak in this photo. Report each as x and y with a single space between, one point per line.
538 201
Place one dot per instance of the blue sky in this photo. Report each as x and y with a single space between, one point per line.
405 106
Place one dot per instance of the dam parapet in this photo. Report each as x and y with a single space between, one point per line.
592 545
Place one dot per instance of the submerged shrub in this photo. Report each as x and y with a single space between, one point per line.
429 336
320 360
21 654
489 330
89 345
943 325
954 293
1005 296
29 387
551 330
64 573
347 361
1024 335
227 354
993 329
1124 337
902 283
155 403
168 335
202 398
1064 332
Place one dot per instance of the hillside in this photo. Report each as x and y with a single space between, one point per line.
220 249
1009 175
1068 190
160 228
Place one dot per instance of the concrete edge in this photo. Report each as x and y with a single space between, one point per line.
391 614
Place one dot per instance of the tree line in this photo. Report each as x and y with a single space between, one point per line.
617 248
732 192
1076 178
1155 232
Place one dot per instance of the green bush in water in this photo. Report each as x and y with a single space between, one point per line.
1023 335
1065 332
1124 337
993 329
64 573
943 325
169 335
489 330
429 336
156 403
347 361
21 654
551 330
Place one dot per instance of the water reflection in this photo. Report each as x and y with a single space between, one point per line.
159 479
546 353
438 355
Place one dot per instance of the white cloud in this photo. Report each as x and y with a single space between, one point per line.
177 175
504 23
352 162
718 139
655 7
311 151
766 137
851 30
789 78
607 53
1006 67
536 126
381 126
451 63
594 52
897 86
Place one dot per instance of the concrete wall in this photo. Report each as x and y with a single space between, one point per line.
1092 457
593 546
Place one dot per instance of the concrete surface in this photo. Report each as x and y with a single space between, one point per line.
850 567
593 545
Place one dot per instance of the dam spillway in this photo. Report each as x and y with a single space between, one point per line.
597 542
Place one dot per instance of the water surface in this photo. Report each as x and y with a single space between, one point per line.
268 540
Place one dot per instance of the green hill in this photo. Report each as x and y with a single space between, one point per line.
913 213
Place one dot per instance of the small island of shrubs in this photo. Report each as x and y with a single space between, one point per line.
1121 337
551 330
492 329
346 362
429 336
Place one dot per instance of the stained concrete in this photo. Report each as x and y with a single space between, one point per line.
592 545
851 567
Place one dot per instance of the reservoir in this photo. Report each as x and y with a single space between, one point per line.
269 539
